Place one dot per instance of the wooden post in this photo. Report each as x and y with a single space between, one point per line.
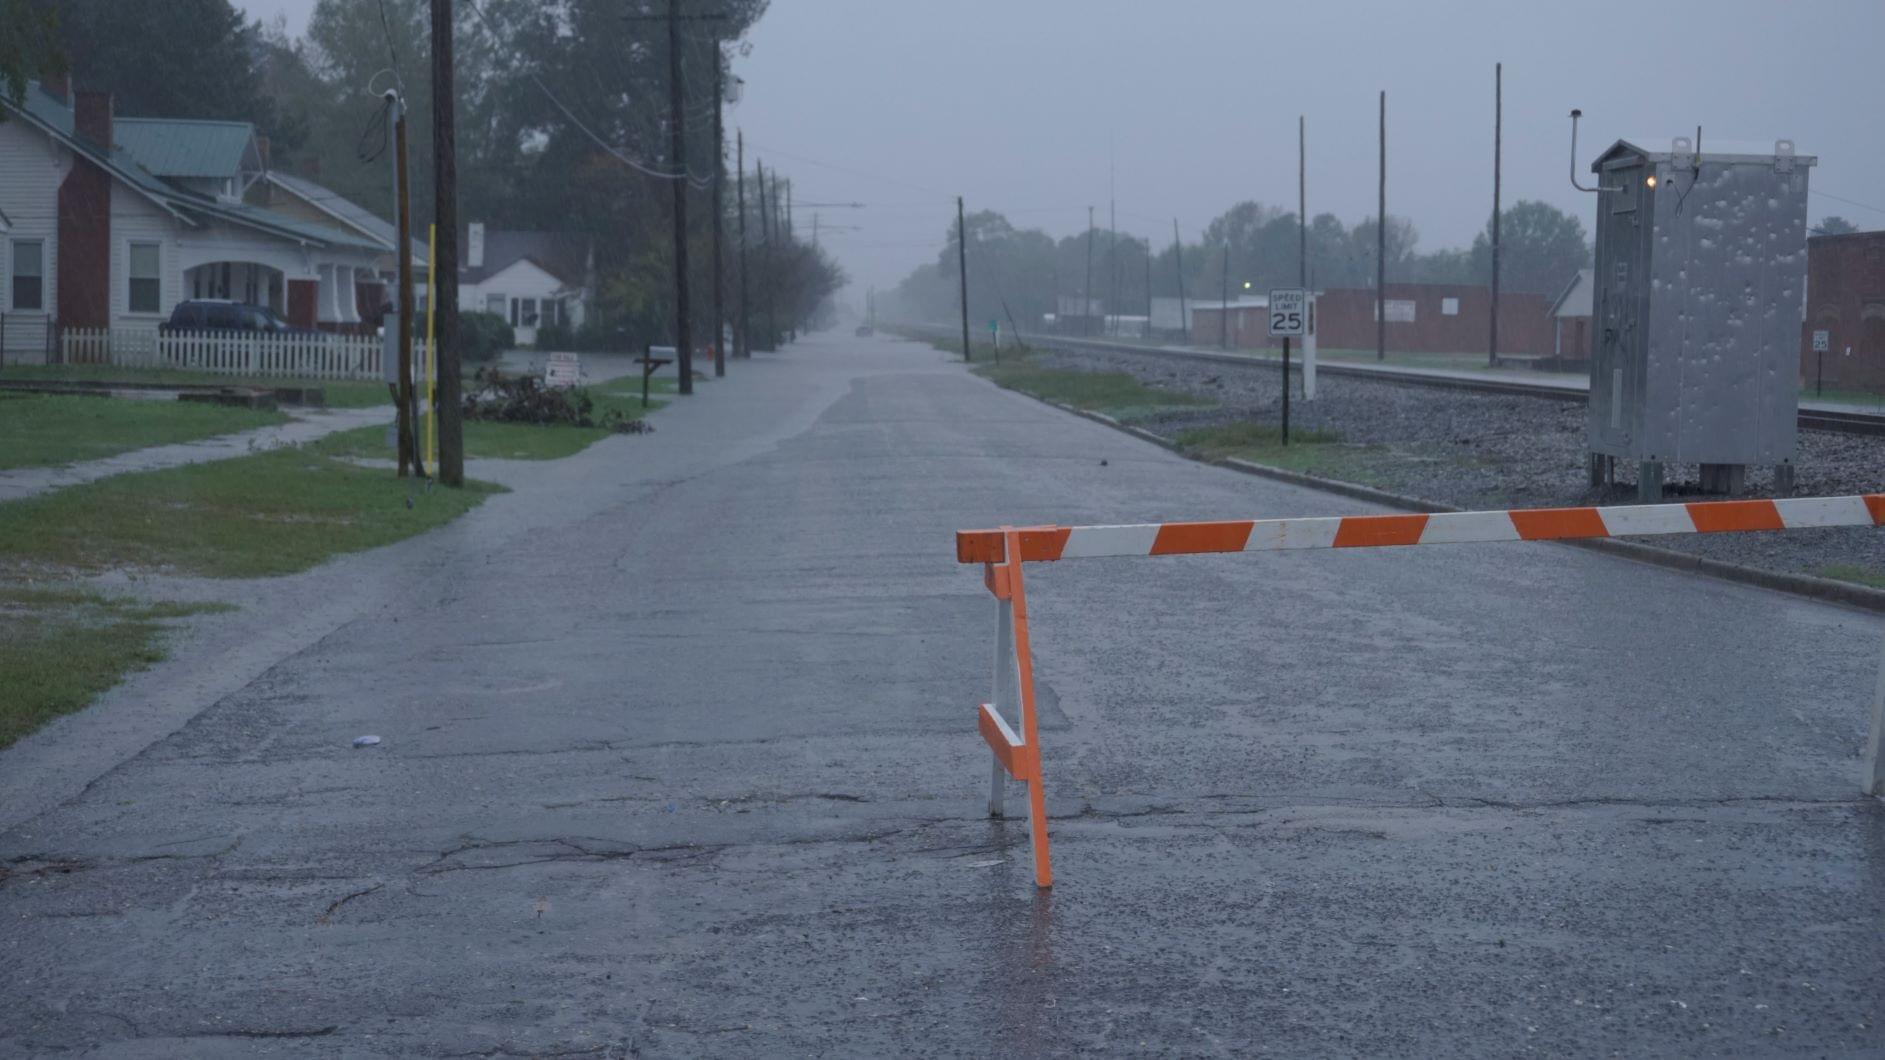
1498 114
744 341
677 160
442 268
1381 246
962 265
719 207
403 234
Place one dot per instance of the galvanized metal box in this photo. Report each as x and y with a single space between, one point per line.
1701 275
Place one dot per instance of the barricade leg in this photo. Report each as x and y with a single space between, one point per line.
1875 745
1000 697
1017 754
1030 728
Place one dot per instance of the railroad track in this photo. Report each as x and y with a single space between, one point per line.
1810 419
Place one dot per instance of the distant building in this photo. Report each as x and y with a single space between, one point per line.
107 222
531 279
1570 320
1845 298
1421 318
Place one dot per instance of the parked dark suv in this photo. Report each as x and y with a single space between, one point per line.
215 314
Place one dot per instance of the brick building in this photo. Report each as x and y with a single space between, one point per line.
1845 297
1422 318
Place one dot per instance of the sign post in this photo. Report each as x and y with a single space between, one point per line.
1289 313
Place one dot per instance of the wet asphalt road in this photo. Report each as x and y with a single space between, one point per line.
680 760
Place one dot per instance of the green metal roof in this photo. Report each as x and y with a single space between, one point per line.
189 206
185 149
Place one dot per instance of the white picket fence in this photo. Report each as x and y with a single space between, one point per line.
319 356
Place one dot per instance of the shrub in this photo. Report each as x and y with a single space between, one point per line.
482 336
499 398
555 337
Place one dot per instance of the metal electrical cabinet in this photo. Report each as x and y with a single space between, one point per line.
1700 287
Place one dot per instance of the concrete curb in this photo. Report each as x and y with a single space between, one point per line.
1825 590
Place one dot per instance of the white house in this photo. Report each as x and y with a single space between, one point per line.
531 279
110 222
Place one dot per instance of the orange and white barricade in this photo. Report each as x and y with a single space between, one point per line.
1002 553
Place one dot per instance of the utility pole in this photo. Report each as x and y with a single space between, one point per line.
744 344
677 159
1086 292
442 270
1112 247
1381 246
1302 202
1178 263
962 266
1223 325
1498 123
782 231
766 237
1148 287
408 452
719 208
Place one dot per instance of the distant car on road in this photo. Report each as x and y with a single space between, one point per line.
218 314
864 331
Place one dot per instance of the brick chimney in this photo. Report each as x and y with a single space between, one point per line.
91 116
58 86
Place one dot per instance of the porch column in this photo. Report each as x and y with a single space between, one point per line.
327 306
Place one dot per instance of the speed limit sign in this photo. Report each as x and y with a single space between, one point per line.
1289 311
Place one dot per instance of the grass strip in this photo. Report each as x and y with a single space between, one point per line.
1116 394
271 513
60 649
45 430
1309 452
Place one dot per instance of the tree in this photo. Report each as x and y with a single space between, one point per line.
1833 225
1540 248
174 59
29 49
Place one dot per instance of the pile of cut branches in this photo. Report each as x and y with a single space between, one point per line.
495 397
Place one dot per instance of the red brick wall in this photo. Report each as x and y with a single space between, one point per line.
1345 321
1846 298
84 267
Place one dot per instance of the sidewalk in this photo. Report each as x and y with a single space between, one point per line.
308 425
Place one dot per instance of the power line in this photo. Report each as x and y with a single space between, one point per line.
630 162
1848 202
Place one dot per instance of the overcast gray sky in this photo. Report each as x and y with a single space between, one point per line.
902 104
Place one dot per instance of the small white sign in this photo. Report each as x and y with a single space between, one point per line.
1289 311
1822 341
562 370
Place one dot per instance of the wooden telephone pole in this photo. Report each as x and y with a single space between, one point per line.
442 270
743 346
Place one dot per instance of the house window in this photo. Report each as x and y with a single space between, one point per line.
29 274
1449 307
494 304
527 312
144 274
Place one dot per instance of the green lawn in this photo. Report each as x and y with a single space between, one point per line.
39 430
59 648
1116 394
272 513
1309 452
340 394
